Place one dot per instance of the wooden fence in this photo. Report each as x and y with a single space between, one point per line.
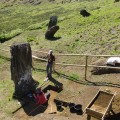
76 65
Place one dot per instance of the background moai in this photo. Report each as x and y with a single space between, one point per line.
116 0
52 22
52 27
21 63
84 13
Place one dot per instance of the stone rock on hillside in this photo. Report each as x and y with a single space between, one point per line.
52 28
84 13
52 22
51 31
116 0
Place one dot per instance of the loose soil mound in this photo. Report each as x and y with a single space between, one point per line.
99 71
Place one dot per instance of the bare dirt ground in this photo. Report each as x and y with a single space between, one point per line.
80 93
72 93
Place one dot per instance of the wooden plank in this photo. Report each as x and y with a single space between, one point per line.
86 65
109 106
94 113
102 101
107 93
103 67
87 55
72 54
89 104
98 114
76 65
40 51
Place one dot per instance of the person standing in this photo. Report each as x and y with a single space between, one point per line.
50 63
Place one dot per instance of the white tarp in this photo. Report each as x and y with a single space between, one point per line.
113 60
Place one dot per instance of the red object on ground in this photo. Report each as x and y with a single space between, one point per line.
40 98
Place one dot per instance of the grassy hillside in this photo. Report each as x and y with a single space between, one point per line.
78 34
27 22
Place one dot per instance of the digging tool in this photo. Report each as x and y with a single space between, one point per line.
44 83
53 113
19 108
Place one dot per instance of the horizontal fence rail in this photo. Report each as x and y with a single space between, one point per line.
75 65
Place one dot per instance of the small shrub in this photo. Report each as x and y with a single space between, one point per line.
76 40
35 26
6 36
74 77
30 39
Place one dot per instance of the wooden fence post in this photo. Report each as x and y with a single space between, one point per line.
86 64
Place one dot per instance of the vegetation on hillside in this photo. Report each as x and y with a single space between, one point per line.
77 33
96 34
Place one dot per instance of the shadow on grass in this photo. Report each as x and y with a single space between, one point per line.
39 70
29 104
32 109
57 84
84 82
5 58
87 82
54 38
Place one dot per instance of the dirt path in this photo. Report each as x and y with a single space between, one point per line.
75 93
84 97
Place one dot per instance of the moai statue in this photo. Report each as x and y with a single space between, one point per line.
116 0
84 13
21 64
52 22
52 28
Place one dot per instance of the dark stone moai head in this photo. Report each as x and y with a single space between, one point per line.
116 0
84 13
51 31
53 21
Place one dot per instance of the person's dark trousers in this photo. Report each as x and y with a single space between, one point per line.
49 69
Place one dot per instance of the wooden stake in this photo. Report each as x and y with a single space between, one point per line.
86 68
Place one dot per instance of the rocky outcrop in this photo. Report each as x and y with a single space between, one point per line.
51 31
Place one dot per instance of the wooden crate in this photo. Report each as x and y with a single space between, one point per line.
100 105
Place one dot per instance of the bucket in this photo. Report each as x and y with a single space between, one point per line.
65 104
71 106
59 106
78 109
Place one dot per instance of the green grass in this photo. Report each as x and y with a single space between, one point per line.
96 34
99 29
94 30
6 36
